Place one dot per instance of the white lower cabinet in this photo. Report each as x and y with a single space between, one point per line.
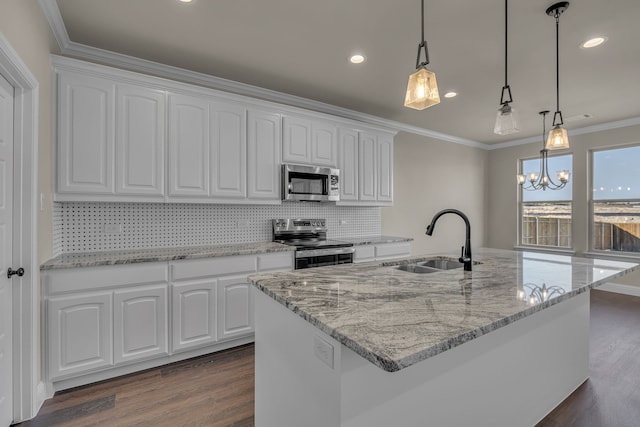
194 314
101 322
235 307
79 333
140 323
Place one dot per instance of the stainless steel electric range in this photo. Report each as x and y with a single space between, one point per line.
309 236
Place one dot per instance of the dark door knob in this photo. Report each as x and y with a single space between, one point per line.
11 272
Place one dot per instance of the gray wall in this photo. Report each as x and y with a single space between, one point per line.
430 175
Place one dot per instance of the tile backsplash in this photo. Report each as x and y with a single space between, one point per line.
101 226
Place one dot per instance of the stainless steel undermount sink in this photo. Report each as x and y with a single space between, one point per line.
432 265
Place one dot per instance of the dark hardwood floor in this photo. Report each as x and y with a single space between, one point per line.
217 390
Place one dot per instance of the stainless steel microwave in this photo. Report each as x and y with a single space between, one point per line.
310 183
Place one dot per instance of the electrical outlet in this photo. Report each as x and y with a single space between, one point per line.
323 351
242 223
343 222
113 228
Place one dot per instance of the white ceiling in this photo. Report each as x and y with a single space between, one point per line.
301 47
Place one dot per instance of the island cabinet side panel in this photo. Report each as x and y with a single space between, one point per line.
513 376
297 369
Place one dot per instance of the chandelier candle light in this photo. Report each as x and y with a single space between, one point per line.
422 89
542 180
507 119
558 137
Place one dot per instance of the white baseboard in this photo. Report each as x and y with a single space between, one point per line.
620 289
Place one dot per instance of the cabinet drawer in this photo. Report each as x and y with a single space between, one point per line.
392 250
91 278
190 269
365 253
279 261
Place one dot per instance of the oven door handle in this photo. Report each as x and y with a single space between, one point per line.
322 252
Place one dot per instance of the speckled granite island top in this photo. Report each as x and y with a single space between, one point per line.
92 259
395 318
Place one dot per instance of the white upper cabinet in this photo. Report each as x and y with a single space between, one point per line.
140 140
263 156
309 141
385 168
296 140
85 134
228 150
124 136
367 173
188 146
366 167
348 163
324 147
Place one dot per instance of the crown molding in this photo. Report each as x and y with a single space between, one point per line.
68 47
52 13
633 121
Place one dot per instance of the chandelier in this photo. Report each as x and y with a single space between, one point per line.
541 180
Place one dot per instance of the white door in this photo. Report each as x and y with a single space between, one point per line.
367 166
235 307
296 140
6 194
323 144
194 314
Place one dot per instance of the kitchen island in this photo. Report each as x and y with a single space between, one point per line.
373 345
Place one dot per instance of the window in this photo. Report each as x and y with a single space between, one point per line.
615 201
546 215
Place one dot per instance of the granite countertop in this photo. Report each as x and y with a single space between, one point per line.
395 318
373 240
92 259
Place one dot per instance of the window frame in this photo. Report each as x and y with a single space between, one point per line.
520 192
591 205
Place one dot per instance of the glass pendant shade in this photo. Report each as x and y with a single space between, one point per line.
506 120
558 139
422 90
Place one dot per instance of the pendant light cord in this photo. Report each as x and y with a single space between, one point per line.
422 16
505 41
557 65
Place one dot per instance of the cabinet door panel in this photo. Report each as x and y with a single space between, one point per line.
188 146
79 334
296 143
348 165
85 134
140 141
140 323
228 150
323 144
235 307
367 166
194 314
263 157
385 169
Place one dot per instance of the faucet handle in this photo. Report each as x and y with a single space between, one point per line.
462 258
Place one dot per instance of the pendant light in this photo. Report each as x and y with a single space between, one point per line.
422 88
542 180
507 119
558 137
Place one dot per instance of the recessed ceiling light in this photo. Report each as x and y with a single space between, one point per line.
357 58
450 94
596 41
185 1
